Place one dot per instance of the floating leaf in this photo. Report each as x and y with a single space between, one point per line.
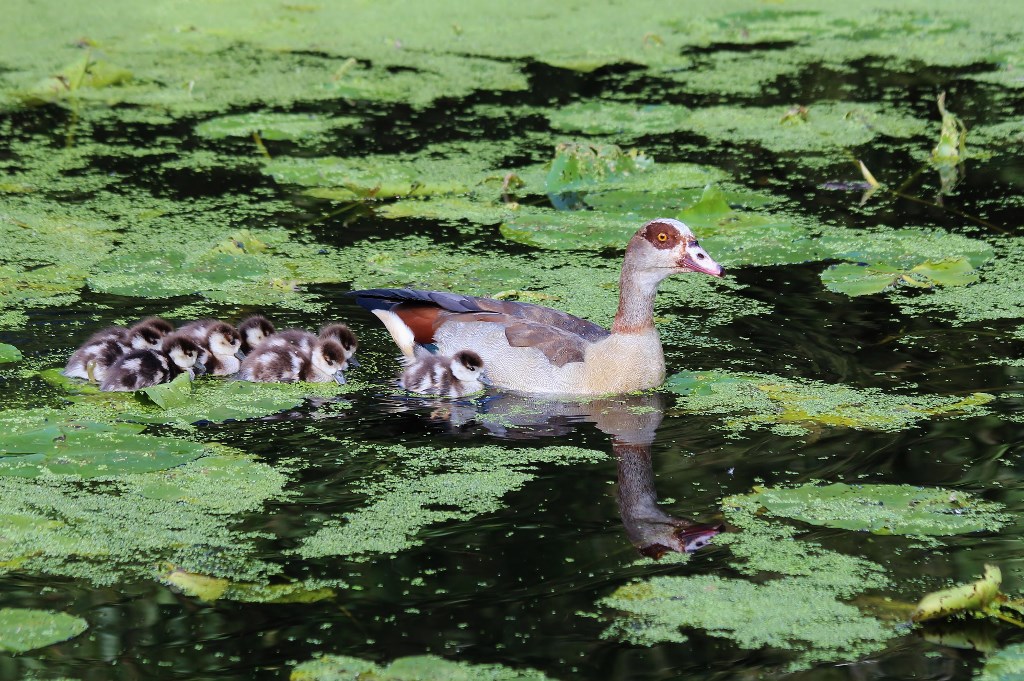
271 125
750 400
88 449
881 509
577 165
177 393
9 353
209 589
790 614
860 280
966 598
184 402
22 629
1004 665
416 668
619 118
87 72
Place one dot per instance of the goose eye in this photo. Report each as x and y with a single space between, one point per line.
662 237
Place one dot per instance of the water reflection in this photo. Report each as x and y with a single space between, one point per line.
630 421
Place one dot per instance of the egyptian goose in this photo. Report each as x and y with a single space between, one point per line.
143 368
254 330
106 346
221 345
534 349
430 374
276 360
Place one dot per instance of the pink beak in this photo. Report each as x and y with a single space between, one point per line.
696 260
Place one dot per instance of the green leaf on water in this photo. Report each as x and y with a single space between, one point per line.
1004 665
415 668
23 629
9 353
269 125
60 446
579 165
177 393
619 118
881 509
859 280
87 72
792 406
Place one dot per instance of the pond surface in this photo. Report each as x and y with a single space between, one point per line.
840 433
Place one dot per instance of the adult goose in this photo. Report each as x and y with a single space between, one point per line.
534 349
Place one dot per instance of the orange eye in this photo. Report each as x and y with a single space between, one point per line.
662 237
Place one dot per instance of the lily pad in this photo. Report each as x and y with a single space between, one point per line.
183 402
9 353
865 279
22 629
619 118
1004 665
791 406
416 668
86 449
882 509
788 614
269 125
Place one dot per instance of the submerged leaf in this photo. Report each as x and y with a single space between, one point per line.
22 629
1004 665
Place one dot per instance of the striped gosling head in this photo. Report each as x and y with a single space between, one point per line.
148 334
328 357
182 350
467 366
254 330
347 339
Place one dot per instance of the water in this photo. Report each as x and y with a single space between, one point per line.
507 586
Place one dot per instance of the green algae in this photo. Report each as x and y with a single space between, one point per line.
120 527
431 486
880 509
822 128
414 668
23 629
756 401
9 353
270 125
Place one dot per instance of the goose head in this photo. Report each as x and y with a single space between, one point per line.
329 358
345 337
467 366
149 333
254 330
182 350
223 340
663 247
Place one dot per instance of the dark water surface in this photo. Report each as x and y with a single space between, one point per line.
508 586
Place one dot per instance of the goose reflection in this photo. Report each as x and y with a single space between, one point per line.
631 422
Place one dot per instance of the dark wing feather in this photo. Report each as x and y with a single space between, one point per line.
559 346
507 312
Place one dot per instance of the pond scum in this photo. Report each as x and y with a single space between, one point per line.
846 401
